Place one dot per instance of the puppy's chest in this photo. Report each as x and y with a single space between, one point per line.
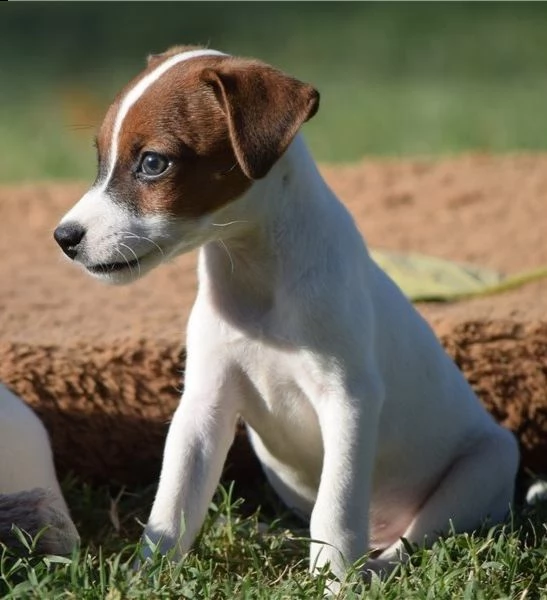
278 406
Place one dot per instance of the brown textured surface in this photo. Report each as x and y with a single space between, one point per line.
103 365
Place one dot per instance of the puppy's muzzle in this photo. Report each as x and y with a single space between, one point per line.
68 236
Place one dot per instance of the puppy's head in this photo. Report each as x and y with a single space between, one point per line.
186 137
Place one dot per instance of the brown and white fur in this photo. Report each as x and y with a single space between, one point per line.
30 495
360 419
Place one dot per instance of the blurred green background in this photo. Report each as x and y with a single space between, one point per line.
395 78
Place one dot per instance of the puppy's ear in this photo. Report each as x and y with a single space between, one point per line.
264 109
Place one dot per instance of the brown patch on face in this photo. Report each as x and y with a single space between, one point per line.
221 122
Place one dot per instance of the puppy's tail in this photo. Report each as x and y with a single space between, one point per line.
48 529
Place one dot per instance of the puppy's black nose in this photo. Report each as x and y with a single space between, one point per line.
68 236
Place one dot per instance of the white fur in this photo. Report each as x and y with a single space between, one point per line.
537 492
27 464
27 461
116 235
360 419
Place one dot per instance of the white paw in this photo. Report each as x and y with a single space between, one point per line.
537 492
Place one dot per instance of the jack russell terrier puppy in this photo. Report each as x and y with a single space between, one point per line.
30 495
359 417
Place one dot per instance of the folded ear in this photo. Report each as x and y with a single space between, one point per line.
264 109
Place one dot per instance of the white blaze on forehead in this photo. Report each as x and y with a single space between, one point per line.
136 92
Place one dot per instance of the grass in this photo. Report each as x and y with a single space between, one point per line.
395 80
238 557
398 118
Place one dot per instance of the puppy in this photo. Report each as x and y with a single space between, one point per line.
359 418
30 495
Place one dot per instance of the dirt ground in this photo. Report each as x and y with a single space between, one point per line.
103 366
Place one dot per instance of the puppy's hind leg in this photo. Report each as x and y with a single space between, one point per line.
30 495
478 486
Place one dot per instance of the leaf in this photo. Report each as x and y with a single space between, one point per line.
422 277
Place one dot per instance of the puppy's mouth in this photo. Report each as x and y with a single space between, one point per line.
126 270
114 267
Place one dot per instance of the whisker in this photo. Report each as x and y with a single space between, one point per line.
134 254
80 127
228 253
136 236
125 258
228 223
228 170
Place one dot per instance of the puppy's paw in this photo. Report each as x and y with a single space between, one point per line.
537 493
34 512
377 566
332 588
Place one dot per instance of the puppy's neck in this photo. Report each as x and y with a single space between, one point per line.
266 235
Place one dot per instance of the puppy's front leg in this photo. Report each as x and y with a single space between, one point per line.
199 437
339 525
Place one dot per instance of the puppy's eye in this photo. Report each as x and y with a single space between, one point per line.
153 164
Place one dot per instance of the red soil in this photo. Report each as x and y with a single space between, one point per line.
103 366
